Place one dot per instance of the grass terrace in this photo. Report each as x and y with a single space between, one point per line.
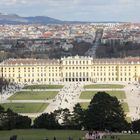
41 134
44 87
84 105
90 94
33 95
104 86
129 119
124 106
26 107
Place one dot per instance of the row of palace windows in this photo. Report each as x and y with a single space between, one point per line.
29 69
32 80
100 68
28 80
114 79
94 74
72 74
77 74
76 62
32 75
44 68
54 74
53 79
72 68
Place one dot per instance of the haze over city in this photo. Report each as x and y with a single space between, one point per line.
76 10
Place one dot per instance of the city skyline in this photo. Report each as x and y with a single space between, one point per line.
75 10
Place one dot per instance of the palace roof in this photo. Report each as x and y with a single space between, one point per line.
30 62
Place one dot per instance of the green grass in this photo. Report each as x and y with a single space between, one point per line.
125 137
43 87
42 134
84 105
90 94
26 107
33 95
38 134
128 119
100 86
124 106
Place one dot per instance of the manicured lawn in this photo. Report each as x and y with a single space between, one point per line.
100 86
125 137
43 87
33 95
90 94
26 107
129 119
124 105
42 134
59 134
84 105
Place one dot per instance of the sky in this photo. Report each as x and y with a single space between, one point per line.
75 10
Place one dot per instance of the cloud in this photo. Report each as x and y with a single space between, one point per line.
13 2
93 10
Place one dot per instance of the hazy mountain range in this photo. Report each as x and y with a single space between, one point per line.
16 19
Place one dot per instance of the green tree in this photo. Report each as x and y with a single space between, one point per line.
3 84
47 121
105 112
136 126
78 116
2 117
10 120
23 122
64 117
67 118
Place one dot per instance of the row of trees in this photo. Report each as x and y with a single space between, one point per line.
10 120
118 50
104 113
3 84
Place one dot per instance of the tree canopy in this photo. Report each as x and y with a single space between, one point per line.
105 112
10 120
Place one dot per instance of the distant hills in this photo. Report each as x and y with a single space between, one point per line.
16 19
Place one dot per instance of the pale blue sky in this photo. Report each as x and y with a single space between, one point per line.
83 10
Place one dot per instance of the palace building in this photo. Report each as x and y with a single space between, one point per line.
71 69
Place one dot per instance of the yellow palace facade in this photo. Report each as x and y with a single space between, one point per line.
71 69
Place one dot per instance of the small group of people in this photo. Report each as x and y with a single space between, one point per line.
94 135
8 90
67 95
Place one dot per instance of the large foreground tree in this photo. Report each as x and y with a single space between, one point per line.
105 112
